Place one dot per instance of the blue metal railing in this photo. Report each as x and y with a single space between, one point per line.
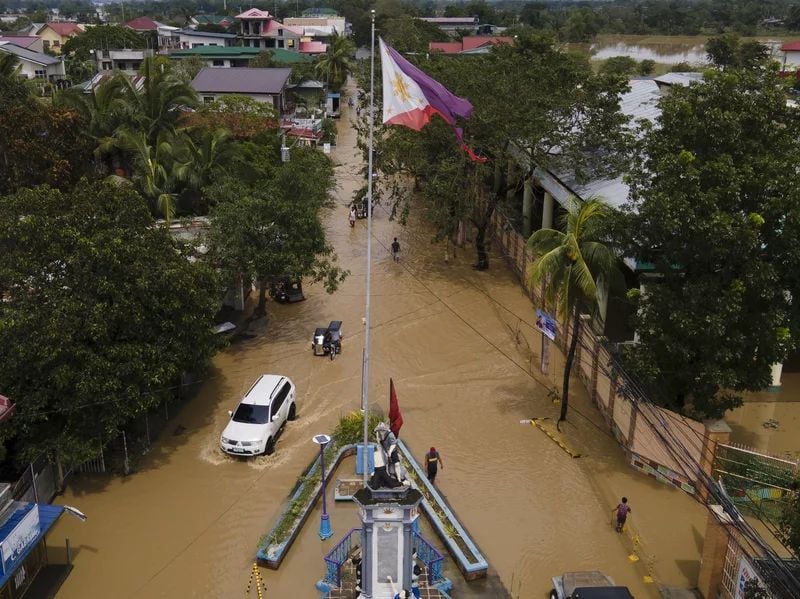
337 556
429 555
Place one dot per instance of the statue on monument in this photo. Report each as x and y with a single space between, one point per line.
388 470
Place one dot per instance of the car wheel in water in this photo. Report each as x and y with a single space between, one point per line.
269 448
293 412
333 353
553 594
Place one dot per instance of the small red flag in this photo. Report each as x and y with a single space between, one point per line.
395 417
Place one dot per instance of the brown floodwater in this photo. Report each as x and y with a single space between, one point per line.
463 359
663 49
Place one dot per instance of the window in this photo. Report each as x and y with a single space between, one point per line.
46 44
218 63
122 66
40 74
280 32
208 99
246 43
280 397
134 66
197 45
250 414
56 44
213 44
290 43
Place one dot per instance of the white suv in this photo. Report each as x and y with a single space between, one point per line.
260 416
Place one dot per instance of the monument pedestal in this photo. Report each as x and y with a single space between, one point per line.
388 517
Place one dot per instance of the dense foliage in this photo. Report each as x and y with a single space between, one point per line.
715 218
102 309
569 107
101 313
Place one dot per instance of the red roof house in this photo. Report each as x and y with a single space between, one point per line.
473 44
142 24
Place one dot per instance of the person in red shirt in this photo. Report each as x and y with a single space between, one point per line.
623 509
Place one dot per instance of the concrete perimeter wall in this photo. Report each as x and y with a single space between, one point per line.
645 431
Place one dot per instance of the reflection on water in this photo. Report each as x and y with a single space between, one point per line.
666 53
462 353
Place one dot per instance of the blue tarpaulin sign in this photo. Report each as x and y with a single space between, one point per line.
546 324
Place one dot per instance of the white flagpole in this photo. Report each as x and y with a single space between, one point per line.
365 385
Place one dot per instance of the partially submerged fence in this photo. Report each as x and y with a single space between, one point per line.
638 426
757 482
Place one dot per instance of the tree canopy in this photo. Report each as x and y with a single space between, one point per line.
282 234
715 219
101 37
102 311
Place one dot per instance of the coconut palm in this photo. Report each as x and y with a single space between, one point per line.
336 64
154 170
574 265
105 111
9 65
157 100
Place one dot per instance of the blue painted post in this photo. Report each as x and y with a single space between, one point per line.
325 531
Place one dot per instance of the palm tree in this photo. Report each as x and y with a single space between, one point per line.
105 111
574 264
9 65
153 176
336 64
158 103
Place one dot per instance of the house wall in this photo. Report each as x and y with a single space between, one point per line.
274 100
29 69
52 40
791 59
195 41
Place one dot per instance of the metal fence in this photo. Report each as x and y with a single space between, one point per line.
756 481
38 483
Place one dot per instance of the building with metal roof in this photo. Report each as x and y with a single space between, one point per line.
36 65
264 85
23 548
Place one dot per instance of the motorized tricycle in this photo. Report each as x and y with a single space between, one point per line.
328 340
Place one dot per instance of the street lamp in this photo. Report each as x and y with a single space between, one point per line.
325 531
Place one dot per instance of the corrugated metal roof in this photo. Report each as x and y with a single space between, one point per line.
30 55
195 33
48 514
679 78
241 80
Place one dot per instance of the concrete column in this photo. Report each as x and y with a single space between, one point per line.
599 324
408 549
547 211
715 547
717 431
777 371
366 564
527 208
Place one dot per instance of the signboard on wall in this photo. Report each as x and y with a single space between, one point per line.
546 324
745 574
23 534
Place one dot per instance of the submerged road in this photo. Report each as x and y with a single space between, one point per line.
186 524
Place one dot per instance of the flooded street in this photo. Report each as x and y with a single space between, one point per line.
663 49
187 523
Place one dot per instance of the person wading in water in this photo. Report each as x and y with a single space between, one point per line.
433 460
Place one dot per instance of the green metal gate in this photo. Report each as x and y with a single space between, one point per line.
757 482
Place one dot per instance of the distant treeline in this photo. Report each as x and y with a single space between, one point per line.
570 21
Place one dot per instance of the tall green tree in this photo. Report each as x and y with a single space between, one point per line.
575 265
336 64
116 308
101 37
282 233
719 230
157 105
568 120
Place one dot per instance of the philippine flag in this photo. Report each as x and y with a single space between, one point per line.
411 98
